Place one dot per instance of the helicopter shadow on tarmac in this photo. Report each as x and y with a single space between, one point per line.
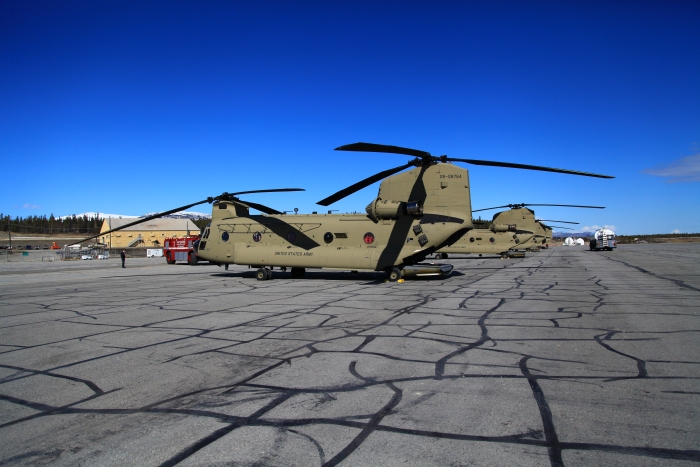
371 277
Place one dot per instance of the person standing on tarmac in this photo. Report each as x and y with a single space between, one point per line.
123 255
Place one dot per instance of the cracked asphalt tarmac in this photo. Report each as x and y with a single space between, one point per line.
565 357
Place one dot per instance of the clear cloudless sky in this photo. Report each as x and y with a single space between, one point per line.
131 107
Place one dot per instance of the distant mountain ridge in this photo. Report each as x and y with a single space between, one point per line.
572 234
193 215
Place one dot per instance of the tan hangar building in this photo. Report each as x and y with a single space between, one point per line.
148 234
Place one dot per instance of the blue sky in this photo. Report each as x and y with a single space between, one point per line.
131 107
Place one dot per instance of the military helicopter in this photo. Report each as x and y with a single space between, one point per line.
512 230
415 213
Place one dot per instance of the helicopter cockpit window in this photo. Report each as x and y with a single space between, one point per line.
327 237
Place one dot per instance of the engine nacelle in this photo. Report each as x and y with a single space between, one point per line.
388 209
502 227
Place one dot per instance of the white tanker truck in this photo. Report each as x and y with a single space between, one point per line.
603 239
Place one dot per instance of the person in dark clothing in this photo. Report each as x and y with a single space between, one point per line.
123 255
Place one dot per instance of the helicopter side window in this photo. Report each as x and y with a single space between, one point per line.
471 239
224 236
327 237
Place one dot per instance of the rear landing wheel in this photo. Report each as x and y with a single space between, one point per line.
263 274
395 274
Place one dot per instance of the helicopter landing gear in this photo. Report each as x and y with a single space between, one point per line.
193 259
440 255
395 274
263 274
298 272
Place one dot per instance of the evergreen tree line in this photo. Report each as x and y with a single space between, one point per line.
92 225
50 224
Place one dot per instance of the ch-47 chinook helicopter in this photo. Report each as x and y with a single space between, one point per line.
511 230
415 213
522 216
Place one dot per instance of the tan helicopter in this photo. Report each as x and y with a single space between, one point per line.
510 231
415 213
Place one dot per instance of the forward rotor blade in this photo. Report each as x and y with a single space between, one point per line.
527 167
371 147
146 219
563 222
522 205
361 184
488 209
558 227
274 190
259 207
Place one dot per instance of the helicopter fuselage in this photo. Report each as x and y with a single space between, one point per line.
415 213
487 241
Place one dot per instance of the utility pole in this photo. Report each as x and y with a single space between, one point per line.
9 231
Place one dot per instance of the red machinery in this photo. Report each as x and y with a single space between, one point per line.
180 249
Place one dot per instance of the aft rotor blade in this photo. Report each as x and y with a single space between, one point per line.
565 206
146 219
527 167
563 222
274 190
259 207
371 147
361 184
